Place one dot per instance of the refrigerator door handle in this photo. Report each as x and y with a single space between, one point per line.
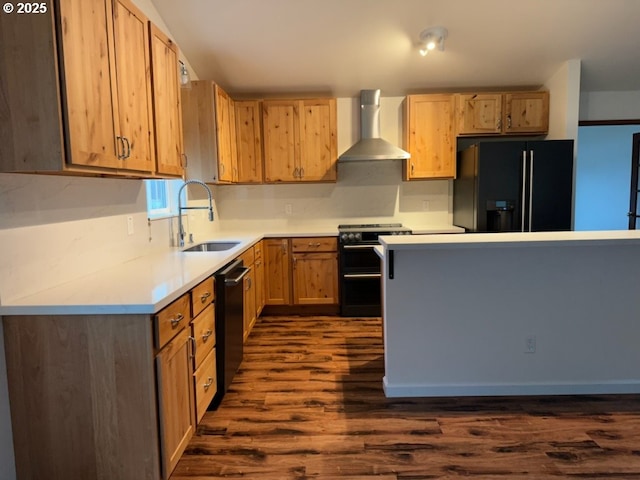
524 188
530 189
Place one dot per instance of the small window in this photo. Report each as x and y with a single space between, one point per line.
162 197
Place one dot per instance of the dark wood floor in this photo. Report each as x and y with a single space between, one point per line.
308 404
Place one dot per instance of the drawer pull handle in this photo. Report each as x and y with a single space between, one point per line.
208 384
175 321
192 340
206 335
314 244
204 296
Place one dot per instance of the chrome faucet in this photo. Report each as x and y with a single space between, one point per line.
180 207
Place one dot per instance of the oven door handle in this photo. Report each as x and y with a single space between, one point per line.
354 247
362 275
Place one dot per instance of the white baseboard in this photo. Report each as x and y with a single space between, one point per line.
472 390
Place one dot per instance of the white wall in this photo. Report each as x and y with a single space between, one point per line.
564 105
623 105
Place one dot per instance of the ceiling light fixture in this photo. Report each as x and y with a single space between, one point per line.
432 39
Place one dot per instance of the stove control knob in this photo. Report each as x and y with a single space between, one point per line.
358 236
344 237
351 237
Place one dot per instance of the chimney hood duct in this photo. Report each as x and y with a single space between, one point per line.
371 146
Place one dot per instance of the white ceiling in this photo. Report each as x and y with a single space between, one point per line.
339 47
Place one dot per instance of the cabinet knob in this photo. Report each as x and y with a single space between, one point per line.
176 320
204 296
208 384
206 335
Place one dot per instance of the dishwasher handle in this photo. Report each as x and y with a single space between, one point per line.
231 281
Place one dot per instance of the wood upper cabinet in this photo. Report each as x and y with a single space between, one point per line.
249 140
277 284
315 271
134 93
429 136
300 141
479 113
502 113
225 131
169 148
79 91
526 112
208 119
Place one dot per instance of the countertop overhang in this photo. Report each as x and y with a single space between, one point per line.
510 240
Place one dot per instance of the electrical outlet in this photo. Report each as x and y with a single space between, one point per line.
530 344
130 225
288 209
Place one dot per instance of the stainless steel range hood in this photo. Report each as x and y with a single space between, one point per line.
371 146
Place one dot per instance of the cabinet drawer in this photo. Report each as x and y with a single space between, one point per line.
314 244
201 296
204 331
248 257
205 383
257 250
171 320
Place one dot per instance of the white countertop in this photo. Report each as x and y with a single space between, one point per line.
146 284
516 239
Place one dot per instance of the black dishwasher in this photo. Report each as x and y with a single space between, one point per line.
229 325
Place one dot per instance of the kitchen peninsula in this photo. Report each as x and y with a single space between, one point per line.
511 313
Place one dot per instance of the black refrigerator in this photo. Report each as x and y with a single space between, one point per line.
514 186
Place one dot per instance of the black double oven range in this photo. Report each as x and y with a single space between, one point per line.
359 267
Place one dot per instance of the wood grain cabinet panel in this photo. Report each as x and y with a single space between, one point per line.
315 278
208 117
502 113
277 283
429 137
175 399
248 116
80 97
300 140
169 143
526 112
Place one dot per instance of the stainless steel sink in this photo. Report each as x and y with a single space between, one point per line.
212 247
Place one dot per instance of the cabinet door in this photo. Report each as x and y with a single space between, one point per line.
89 82
281 138
429 137
249 141
176 400
259 281
224 133
249 303
169 147
479 114
318 148
526 112
135 113
276 273
315 278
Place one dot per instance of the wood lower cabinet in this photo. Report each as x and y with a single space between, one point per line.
175 399
301 271
315 271
429 137
110 396
277 282
258 264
